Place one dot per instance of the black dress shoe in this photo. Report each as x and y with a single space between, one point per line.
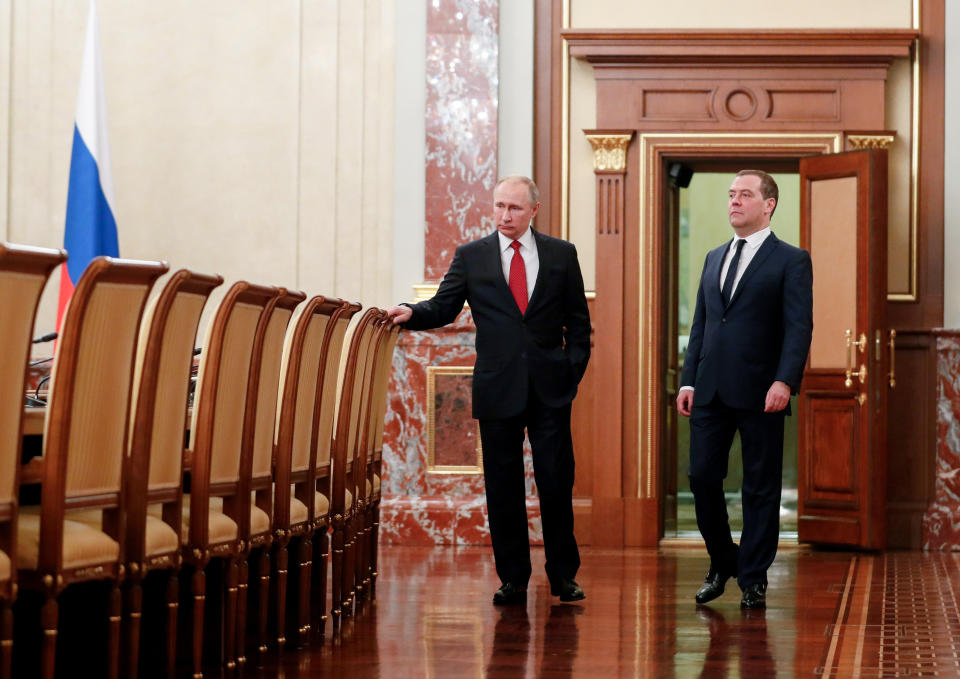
754 596
567 590
712 586
510 594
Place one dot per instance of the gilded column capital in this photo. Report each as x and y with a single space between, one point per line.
609 149
870 141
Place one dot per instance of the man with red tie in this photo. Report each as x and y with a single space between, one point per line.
526 294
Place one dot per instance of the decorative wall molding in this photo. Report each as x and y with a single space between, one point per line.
609 150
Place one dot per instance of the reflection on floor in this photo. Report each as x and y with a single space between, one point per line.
829 614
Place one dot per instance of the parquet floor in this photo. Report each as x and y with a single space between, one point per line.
829 614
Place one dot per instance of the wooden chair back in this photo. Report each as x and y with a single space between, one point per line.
23 274
350 409
220 405
304 360
327 405
161 387
382 369
86 428
257 459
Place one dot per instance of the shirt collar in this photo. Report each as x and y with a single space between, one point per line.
526 240
754 240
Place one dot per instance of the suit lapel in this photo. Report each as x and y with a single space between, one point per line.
769 245
543 257
712 274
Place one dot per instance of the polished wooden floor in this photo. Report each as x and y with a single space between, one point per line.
829 614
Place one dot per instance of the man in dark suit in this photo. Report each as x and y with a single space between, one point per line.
748 346
526 294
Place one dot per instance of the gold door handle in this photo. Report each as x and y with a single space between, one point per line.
893 354
861 344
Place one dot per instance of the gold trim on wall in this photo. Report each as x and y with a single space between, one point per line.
860 142
432 467
609 151
706 144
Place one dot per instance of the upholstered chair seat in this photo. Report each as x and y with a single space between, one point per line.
83 543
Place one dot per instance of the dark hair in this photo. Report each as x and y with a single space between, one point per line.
768 187
532 189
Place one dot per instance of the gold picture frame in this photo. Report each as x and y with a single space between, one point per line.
433 372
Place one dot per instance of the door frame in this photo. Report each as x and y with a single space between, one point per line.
645 339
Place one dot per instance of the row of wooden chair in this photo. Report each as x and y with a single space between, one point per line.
285 446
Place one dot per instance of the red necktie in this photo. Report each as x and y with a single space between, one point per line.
518 278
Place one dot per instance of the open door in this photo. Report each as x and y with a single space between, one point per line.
843 401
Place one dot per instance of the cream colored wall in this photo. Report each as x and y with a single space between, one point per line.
251 139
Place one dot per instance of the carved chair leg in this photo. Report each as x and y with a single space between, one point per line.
281 558
199 587
229 622
242 581
6 639
115 613
49 615
374 549
336 586
303 607
133 604
319 590
263 603
173 606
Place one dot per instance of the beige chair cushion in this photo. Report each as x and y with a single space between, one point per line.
298 511
376 485
220 527
161 538
4 566
321 505
84 544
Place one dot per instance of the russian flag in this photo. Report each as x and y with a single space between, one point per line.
90 229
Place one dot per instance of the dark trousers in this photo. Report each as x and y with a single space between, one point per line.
712 428
553 469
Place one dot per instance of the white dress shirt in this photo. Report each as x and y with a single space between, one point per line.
754 241
528 250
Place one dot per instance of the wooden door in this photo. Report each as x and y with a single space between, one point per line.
843 401
673 363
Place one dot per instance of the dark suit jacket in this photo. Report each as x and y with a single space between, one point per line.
547 347
762 336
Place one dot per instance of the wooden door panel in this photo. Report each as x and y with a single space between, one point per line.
842 454
832 482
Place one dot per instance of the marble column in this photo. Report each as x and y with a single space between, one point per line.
941 521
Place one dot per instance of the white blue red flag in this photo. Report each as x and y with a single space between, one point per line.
90 228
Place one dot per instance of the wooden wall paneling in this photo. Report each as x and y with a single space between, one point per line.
584 422
911 429
911 438
610 155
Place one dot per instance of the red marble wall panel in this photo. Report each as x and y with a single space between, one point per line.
941 521
461 125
